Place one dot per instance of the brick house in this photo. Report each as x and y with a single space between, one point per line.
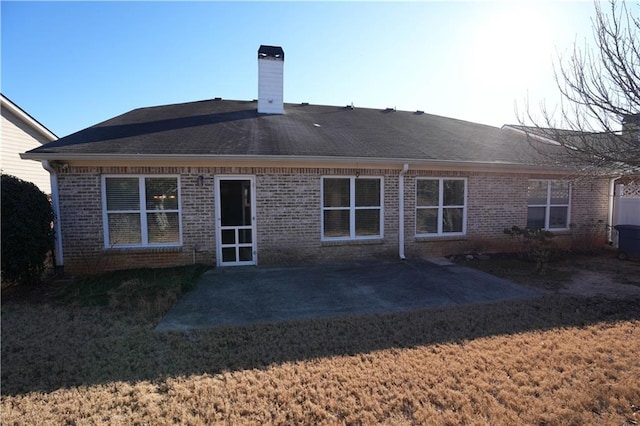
263 182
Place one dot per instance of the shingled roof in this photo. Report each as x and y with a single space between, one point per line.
222 128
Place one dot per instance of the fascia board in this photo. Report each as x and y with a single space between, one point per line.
32 122
273 160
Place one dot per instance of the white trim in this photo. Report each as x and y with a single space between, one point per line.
352 209
547 206
55 204
142 211
305 159
440 207
218 220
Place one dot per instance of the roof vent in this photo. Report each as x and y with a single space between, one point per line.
217 99
390 109
419 111
304 104
349 106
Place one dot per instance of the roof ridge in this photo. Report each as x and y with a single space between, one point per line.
309 104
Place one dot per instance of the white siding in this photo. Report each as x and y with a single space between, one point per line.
270 86
16 138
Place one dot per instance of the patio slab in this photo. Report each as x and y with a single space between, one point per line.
244 295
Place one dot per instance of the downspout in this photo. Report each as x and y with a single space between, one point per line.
55 203
612 187
405 167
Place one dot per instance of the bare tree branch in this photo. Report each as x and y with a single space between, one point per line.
596 126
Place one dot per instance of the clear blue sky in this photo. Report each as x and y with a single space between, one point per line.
74 64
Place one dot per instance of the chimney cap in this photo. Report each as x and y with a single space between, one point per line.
274 52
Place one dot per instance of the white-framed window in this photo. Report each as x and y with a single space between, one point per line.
548 204
352 208
441 206
141 211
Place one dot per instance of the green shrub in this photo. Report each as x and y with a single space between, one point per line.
27 234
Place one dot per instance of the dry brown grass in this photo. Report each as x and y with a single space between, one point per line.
558 359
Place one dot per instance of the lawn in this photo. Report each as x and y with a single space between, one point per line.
89 355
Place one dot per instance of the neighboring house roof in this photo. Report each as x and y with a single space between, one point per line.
224 128
9 105
591 150
550 134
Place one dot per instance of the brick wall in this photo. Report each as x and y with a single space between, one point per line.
499 201
288 216
494 202
288 222
589 210
81 218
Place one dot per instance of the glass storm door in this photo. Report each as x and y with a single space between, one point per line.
235 221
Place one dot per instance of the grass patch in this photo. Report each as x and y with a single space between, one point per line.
146 290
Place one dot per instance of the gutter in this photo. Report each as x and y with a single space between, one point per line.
55 202
405 167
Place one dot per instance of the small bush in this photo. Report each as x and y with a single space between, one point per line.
27 234
536 245
589 237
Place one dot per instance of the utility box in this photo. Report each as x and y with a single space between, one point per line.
628 240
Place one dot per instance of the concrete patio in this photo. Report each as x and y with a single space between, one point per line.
244 295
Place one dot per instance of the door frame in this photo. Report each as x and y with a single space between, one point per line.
218 219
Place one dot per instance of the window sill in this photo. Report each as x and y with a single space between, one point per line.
426 239
150 249
363 242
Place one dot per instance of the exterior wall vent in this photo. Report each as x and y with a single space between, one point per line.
270 80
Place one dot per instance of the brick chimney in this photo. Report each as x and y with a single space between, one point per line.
270 80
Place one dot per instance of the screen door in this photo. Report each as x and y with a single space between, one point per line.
235 219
